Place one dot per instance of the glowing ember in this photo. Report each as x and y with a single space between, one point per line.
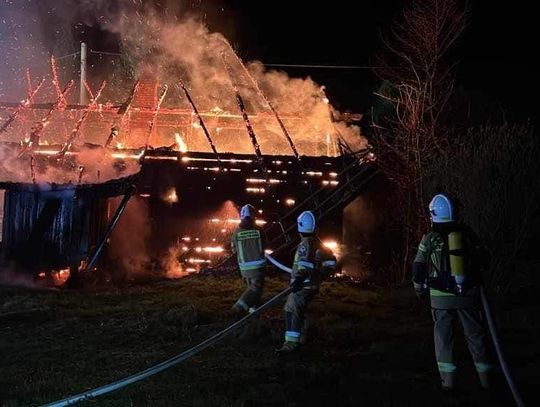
256 190
192 260
177 272
213 249
58 277
171 196
229 160
256 180
125 155
330 244
160 157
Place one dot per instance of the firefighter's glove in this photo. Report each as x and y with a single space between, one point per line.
297 284
421 291
421 294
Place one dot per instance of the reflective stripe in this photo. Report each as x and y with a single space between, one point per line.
244 240
437 293
248 234
240 252
306 280
447 367
305 264
482 367
329 263
251 265
292 336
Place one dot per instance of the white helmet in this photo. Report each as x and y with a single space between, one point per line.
441 209
247 211
306 222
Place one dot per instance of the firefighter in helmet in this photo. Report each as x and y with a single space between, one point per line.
247 243
313 263
447 267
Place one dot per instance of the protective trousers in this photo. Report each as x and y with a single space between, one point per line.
295 314
471 320
251 296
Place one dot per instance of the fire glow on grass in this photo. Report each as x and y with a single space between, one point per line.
59 277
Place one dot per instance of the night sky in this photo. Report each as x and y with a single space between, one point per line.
495 54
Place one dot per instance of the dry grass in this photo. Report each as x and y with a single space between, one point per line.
369 347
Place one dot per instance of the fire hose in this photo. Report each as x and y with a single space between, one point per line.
498 350
278 264
144 374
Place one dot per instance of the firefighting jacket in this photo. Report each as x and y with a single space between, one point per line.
248 246
436 264
313 262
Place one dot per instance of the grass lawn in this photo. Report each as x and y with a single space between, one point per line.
368 347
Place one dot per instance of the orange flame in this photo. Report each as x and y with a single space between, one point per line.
182 146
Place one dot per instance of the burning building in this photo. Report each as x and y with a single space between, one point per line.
192 164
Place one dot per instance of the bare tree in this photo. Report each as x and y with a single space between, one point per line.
490 172
420 83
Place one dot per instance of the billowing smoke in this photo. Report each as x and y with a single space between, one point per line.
172 49
170 264
129 250
165 41
11 277
89 166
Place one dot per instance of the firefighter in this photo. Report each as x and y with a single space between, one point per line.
247 243
446 267
313 263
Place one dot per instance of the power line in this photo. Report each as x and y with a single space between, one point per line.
67 56
270 65
105 53
323 66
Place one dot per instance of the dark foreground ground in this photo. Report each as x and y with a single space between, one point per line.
369 347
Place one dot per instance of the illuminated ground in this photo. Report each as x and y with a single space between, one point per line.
371 347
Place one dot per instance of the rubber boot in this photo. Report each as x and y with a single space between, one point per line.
288 347
447 381
485 380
